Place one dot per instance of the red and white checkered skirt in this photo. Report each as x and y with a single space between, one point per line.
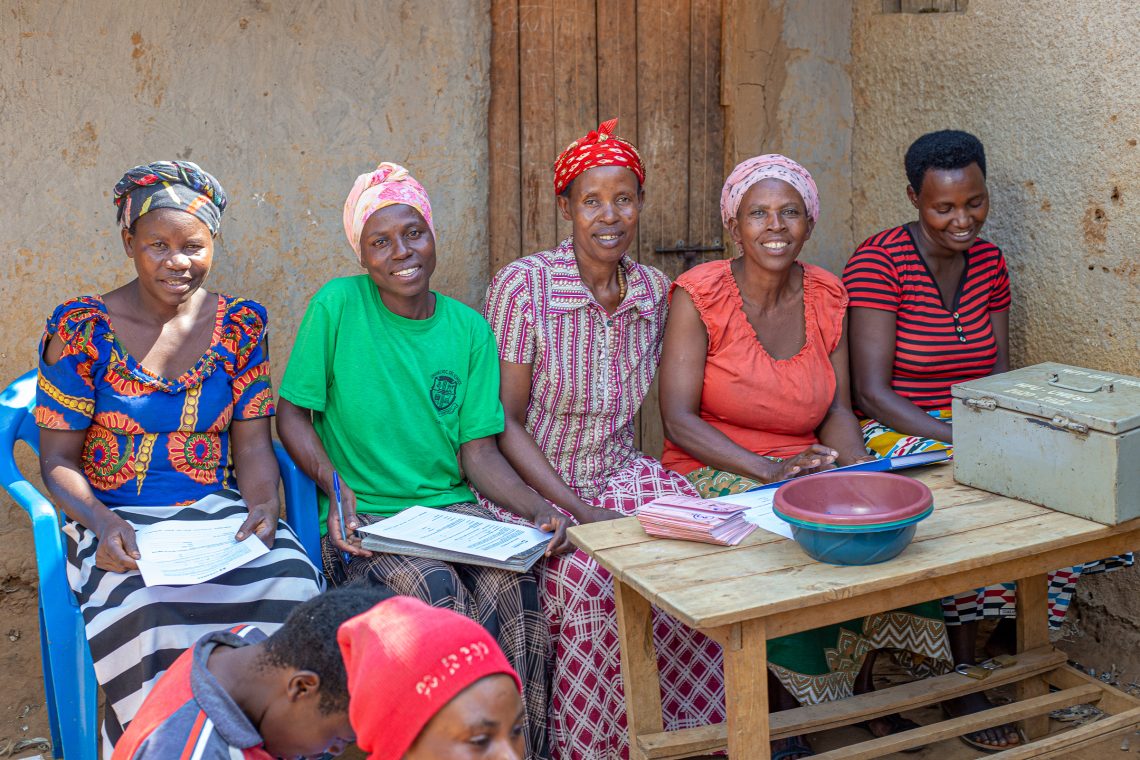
587 710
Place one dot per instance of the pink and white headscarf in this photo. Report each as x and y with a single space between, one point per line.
771 165
390 185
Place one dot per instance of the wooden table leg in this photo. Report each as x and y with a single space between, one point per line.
638 666
1033 632
746 691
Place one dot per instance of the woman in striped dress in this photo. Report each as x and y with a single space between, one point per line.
578 329
929 307
154 403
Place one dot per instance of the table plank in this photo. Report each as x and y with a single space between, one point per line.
1032 632
704 604
663 566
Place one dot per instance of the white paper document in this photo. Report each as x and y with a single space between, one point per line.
185 552
760 512
458 533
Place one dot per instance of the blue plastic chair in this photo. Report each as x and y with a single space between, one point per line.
69 676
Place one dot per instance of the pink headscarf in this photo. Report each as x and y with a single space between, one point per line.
771 165
389 185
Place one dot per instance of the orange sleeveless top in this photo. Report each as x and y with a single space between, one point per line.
771 407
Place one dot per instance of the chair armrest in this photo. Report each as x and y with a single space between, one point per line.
301 512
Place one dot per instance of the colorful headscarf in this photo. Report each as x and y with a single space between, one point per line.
181 185
389 185
771 165
600 148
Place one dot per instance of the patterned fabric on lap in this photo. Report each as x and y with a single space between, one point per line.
587 701
884 442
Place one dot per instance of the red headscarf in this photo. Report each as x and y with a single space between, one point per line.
600 148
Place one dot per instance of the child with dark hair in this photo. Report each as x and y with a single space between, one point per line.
237 693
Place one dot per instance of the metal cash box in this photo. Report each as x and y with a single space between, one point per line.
1063 437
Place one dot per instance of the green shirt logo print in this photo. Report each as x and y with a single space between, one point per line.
444 385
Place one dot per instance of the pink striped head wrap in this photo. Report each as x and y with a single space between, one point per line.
771 165
389 185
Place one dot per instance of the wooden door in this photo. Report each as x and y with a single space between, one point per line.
558 68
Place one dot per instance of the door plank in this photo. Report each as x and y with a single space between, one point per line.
663 74
536 106
504 182
706 127
575 92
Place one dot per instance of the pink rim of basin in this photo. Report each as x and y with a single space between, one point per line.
853 498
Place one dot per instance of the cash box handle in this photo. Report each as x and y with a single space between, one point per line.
1055 379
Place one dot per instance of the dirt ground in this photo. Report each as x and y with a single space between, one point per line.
23 717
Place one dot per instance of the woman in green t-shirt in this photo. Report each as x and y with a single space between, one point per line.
393 389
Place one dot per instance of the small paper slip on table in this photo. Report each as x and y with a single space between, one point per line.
767 587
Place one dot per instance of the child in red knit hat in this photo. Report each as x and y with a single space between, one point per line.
429 684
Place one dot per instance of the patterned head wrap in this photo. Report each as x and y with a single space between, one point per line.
771 165
389 185
181 185
600 148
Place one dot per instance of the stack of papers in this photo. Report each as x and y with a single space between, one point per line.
693 519
462 539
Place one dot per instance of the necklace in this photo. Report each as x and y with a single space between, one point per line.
621 283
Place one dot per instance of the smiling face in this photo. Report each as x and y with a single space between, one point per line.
397 250
172 251
483 721
771 225
952 207
603 204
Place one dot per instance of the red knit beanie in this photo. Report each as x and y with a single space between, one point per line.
405 660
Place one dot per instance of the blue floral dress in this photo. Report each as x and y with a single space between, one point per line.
154 446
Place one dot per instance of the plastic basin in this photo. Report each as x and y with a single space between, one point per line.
852 499
866 545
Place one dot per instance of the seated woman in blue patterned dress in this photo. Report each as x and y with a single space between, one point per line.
151 398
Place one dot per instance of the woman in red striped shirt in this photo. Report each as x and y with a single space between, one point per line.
929 307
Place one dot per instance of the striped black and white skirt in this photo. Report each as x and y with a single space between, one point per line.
136 632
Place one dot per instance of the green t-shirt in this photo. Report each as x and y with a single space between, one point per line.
394 398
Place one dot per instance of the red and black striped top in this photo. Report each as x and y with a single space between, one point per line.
935 347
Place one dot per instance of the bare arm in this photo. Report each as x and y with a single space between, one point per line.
295 428
840 429
873 338
999 321
60 456
490 472
60 452
522 451
257 474
683 357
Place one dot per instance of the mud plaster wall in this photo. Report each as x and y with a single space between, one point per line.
285 102
1050 88
788 90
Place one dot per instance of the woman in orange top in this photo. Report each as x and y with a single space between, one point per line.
754 389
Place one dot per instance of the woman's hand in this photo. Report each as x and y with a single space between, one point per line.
262 522
117 550
550 520
351 522
812 459
597 514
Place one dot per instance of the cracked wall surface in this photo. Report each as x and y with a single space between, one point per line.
1051 89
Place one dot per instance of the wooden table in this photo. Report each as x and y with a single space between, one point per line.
767 587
